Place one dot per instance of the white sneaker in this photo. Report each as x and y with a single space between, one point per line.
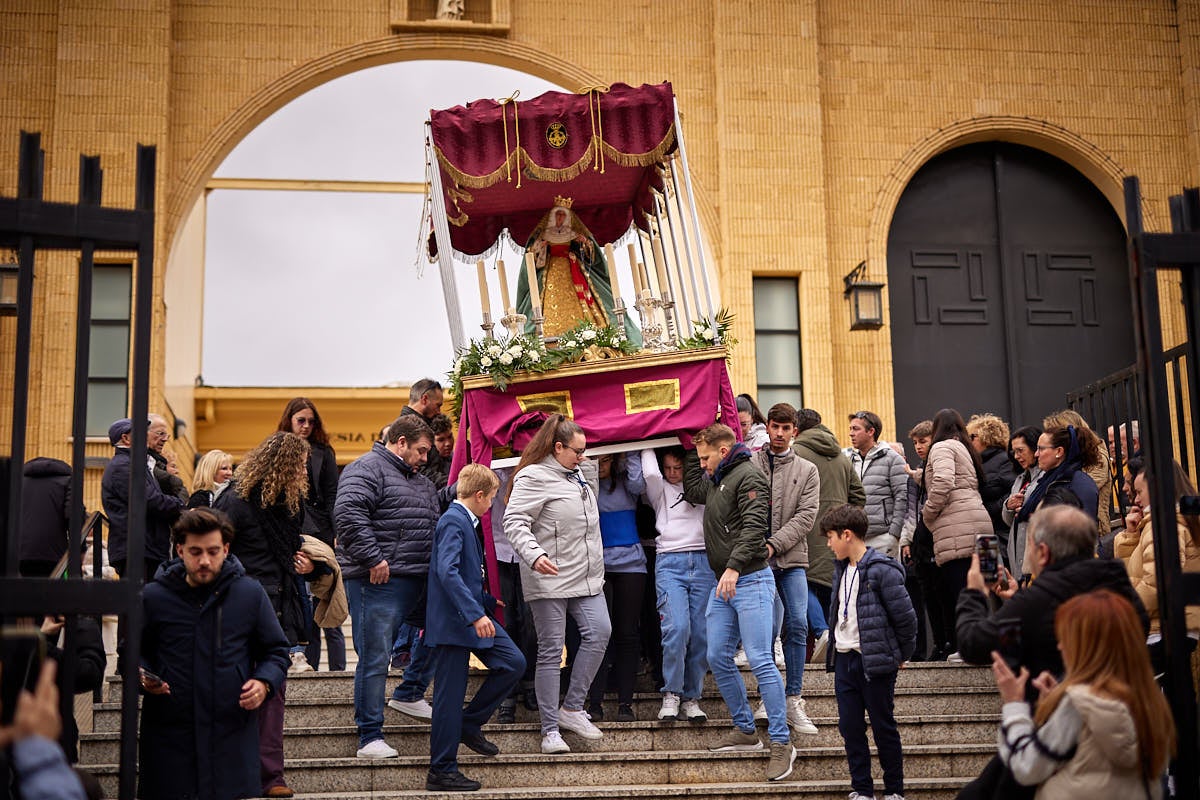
692 711
418 708
857 796
578 722
820 646
670 707
796 718
780 661
377 749
740 659
893 797
954 658
299 664
760 713
553 743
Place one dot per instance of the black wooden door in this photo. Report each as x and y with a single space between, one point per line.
1008 285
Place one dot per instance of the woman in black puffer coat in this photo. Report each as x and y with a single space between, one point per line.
989 437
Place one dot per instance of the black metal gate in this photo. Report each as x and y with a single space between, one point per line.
29 224
1149 253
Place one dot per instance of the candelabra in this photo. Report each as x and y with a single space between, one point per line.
514 322
651 331
538 320
619 310
668 307
488 326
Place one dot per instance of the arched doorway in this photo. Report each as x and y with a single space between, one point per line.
1009 285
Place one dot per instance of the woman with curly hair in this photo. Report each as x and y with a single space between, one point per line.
301 418
1106 729
265 503
989 437
1095 461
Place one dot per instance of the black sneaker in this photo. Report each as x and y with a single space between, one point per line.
596 712
479 743
507 713
450 782
625 713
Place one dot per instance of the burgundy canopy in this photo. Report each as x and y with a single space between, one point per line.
502 164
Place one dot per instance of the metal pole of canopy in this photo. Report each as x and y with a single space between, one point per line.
687 245
681 289
441 232
687 180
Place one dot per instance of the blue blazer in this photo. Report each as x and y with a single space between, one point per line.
456 595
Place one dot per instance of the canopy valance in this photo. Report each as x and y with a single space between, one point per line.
503 163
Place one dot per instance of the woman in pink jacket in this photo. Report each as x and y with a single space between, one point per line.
953 510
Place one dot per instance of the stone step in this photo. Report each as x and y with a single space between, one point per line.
339 711
413 740
334 685
576 769
925 788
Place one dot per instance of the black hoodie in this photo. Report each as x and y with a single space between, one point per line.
45 509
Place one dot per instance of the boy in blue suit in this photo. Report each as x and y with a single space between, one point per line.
457 623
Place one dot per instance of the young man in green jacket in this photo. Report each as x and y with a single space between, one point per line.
736 499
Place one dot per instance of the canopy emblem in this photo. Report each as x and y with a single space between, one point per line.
556 135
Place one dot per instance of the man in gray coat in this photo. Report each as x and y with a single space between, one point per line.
795 496
881 470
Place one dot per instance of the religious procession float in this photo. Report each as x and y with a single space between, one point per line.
572 180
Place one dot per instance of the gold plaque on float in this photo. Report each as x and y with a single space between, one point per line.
550 402
652 396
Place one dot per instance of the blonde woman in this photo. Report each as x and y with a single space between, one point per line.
989 437
211 477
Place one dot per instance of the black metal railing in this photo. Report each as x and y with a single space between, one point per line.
29 225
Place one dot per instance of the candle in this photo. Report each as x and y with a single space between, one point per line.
507 309
612 273
645 275
637 287
484 301
660 267
535 295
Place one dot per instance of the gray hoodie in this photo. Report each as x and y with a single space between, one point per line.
552 512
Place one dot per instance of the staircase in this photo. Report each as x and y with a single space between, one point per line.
947 716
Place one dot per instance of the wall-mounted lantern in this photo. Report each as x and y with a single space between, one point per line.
866 300
9 269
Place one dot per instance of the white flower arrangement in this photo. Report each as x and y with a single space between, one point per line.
710 333
498 359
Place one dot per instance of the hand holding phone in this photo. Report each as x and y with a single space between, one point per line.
152 684
22 651
987 547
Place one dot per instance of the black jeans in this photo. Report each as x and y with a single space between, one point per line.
518 623
952 579
855 694
335 643
623 595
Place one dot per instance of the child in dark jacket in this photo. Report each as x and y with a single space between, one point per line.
458 623
873 632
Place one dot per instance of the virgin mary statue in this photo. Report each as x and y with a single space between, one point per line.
572 276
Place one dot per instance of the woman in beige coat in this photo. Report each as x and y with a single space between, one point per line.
1135 546
953 510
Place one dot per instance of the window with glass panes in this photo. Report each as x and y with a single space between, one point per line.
777 341
108 357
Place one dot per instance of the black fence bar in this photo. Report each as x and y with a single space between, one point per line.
1146 253
32 224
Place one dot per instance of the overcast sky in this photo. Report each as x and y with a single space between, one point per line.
322 288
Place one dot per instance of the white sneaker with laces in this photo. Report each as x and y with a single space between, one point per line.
692 711
780 661
893 797
954 658
740 659
553 743
760 713
670 707
299 664
857 796
377 749
578 722
418 708
820 646
797 719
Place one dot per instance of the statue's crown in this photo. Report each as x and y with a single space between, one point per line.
565 202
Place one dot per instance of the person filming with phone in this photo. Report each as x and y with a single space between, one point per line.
1022 630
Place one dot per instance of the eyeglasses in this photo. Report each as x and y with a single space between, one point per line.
860 415
304 421
579 451
1042 447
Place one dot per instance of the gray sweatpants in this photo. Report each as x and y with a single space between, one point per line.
550 621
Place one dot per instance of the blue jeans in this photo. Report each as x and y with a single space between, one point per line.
683 583
816 609
418 673
749 616
377 609
793 590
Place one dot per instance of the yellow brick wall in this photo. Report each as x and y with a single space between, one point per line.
803 120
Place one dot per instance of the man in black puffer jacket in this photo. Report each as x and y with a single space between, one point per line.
385 515
1064 538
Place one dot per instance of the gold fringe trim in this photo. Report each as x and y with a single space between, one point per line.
571 172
